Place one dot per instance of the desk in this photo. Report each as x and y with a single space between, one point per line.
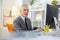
32 35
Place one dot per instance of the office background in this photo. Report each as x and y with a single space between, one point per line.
39 6
7 5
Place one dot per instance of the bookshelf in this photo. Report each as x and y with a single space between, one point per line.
37 17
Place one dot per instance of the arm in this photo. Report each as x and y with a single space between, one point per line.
30 24
16 25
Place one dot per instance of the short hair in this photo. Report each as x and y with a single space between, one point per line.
23 6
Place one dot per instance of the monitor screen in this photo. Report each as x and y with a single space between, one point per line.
52 11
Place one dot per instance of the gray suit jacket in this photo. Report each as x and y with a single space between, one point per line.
18 24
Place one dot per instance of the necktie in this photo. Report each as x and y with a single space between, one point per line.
26 23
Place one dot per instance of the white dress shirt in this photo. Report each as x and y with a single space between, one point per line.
23 18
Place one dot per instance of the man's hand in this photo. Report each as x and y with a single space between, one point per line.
39 30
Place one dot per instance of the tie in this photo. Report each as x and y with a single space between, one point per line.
26 23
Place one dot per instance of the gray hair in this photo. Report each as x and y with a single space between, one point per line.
23 6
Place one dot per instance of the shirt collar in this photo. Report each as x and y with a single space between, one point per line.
23 17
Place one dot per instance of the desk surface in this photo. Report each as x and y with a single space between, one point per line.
32 35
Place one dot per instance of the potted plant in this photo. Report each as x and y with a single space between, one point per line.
31 2
54 2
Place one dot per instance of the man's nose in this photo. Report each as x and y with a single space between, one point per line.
26 11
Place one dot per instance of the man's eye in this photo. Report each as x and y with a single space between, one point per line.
26 10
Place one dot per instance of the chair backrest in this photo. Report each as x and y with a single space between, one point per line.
10 27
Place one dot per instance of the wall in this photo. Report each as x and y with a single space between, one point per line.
7 4
44 1
0 13
58 2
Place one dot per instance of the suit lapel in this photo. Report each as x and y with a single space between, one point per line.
22 23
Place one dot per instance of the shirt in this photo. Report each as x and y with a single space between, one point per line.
23 18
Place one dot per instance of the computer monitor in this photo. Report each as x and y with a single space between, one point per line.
51 12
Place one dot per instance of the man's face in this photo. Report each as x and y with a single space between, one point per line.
25 11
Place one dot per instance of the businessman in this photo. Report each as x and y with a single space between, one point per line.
22 22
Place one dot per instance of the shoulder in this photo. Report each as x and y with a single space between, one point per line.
28 19
17 18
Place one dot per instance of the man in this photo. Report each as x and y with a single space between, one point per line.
22 22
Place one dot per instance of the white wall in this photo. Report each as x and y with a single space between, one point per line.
58 2
18 2
0 13
49 1
6 4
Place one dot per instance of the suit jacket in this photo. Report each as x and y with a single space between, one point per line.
19 24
